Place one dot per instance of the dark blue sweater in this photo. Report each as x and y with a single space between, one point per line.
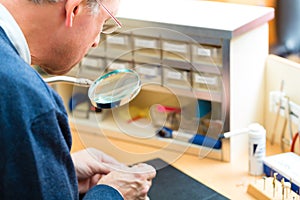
35 138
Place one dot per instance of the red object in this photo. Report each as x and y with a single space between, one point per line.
134 119
161 108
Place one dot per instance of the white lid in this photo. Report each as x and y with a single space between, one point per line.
256 129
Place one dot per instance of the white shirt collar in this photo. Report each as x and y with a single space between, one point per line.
14 33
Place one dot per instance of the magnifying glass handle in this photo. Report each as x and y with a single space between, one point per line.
67 79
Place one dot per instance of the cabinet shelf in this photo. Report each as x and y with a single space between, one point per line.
108 129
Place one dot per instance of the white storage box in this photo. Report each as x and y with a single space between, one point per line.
287 166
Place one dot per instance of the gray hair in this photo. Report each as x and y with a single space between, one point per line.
91 4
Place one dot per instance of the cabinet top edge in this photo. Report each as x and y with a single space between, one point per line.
216 19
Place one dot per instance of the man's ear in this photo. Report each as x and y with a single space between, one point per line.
71 8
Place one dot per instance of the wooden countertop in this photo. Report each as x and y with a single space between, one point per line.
228 178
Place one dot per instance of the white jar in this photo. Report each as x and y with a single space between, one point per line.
257 148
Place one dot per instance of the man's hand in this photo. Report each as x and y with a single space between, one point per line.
132 182
90 165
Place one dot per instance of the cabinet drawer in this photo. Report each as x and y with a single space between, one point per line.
94 63
149 73
91 67
145 42
174 50
118 41
98 51
113 65
206 54
206 82
146 48
119 46
176 78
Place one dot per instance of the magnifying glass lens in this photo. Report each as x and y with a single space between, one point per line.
114 89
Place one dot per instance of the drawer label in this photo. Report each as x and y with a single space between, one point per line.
176 75
203 52
117 40
114 66
181 48
89 62
149 71
145 43
206 80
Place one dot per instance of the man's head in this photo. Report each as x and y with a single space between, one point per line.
60 32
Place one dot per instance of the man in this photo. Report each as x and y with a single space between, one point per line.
35 138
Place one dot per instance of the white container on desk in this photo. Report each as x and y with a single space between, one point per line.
257 148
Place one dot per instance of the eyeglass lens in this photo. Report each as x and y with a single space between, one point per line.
109 26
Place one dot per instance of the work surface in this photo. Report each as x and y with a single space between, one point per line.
171 184
227 178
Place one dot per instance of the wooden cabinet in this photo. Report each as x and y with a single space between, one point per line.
200 50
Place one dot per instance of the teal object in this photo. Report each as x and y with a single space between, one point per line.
204 107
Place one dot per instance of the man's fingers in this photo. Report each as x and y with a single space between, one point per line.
145 169
94 180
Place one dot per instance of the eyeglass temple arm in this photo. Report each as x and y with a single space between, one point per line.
111 15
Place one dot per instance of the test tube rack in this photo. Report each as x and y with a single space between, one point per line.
269 189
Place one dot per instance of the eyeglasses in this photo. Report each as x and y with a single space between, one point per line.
112 24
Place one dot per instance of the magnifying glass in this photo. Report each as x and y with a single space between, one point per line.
111 90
